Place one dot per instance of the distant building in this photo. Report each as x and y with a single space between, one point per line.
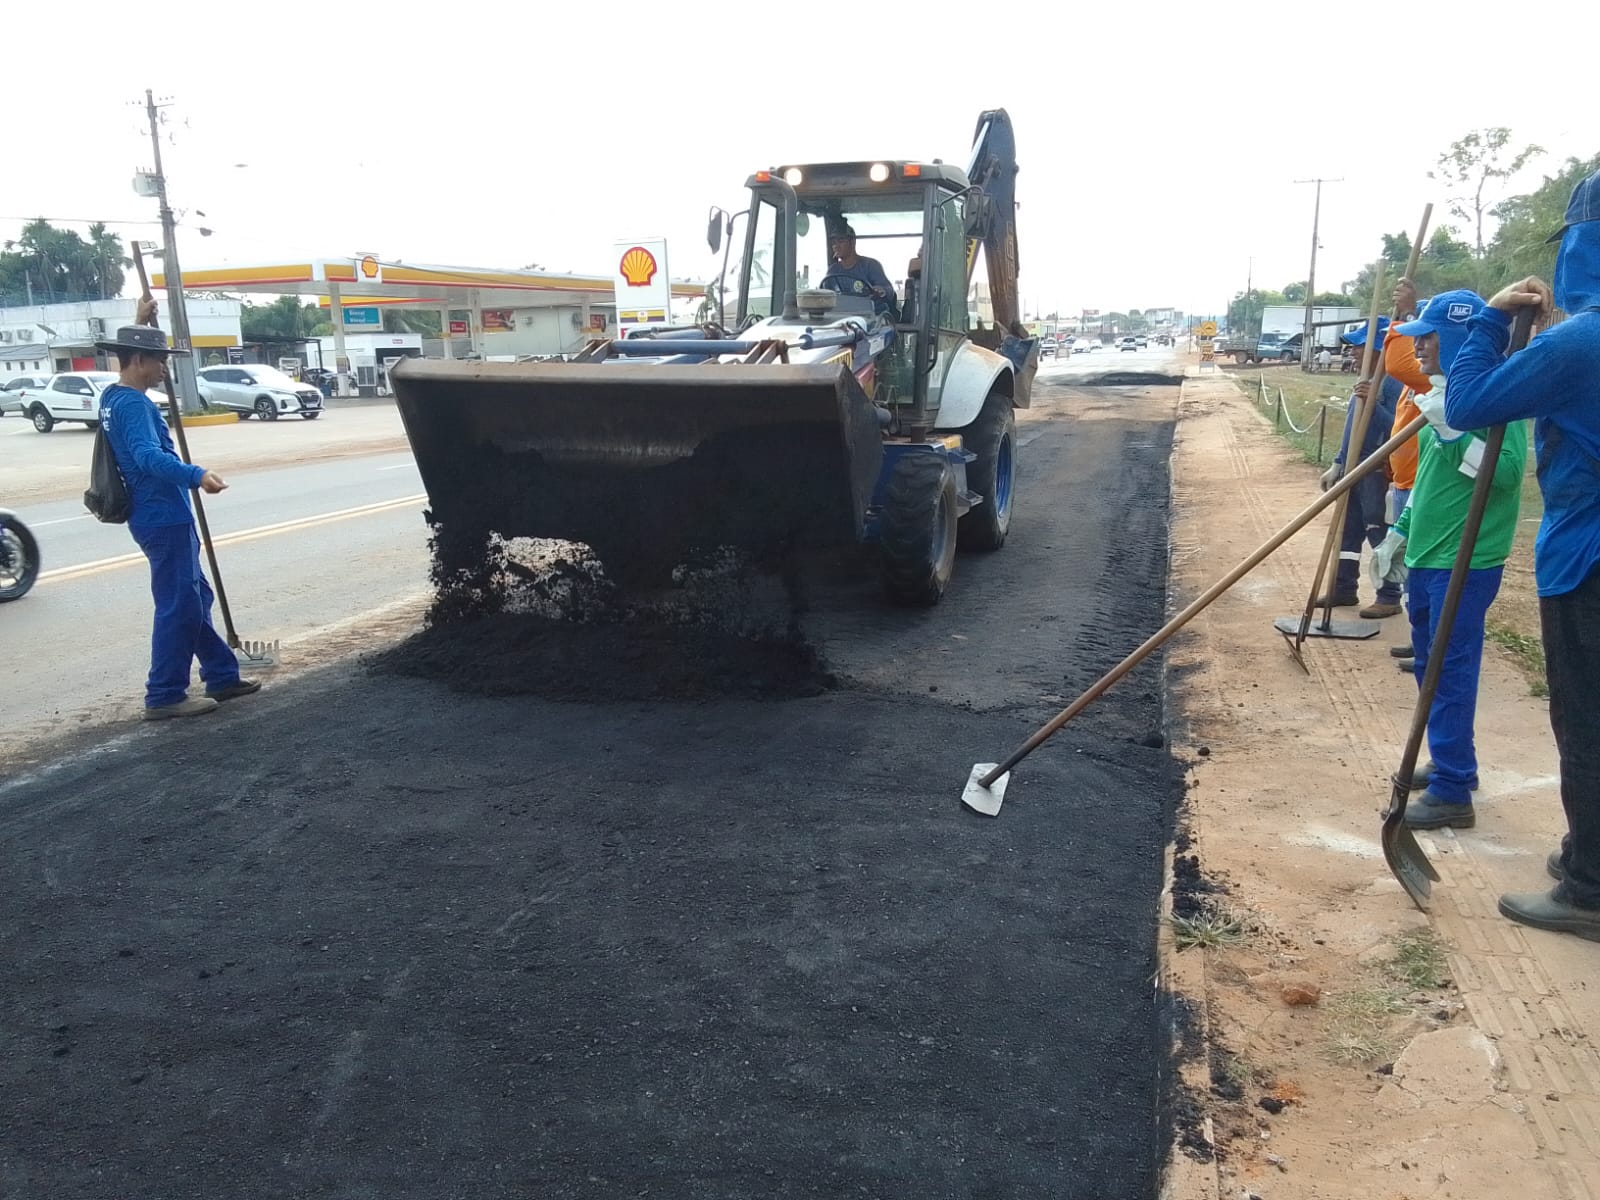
42 339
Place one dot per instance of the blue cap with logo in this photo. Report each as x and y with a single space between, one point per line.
1583 206
1447 315
1358 335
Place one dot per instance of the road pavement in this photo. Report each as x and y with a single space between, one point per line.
364 935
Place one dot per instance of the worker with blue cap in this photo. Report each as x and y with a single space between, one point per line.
1556 381
1364 516
1430 532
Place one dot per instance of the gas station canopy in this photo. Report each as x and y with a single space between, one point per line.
368 280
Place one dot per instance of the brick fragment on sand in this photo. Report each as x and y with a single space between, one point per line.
1298 994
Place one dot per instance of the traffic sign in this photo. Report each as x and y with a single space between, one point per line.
1208 329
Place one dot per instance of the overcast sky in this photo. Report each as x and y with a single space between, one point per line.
1158 142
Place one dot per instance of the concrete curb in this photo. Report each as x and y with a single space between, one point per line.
1182 977
227 418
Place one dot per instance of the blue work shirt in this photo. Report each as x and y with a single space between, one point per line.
1378 427
859 280
1555 381
158 480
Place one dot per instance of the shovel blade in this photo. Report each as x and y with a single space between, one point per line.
985 801
1407 860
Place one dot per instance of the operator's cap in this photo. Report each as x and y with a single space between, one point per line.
1446 311
1358 336
145 338
1583 206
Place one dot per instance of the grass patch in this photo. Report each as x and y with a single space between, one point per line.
1528 653
1213 926
1419 961
1360 1029
1304 398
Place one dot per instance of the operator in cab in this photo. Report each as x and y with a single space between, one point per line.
851 275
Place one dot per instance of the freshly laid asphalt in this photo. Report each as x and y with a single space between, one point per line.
368 935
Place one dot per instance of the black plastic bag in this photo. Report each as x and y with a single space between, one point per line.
107 497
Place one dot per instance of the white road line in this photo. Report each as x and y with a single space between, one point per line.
398 466
244 535
59 521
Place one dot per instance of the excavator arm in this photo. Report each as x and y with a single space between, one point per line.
992 222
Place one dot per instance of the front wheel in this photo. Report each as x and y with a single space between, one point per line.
266 409
19 560
993 438
42 420
917 530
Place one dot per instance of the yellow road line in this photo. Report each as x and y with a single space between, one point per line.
99 566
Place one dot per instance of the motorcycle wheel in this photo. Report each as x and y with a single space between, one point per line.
19 560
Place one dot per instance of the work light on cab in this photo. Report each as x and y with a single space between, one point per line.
793 176
878 172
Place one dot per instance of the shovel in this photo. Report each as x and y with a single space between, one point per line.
1401 850
986 786
251 656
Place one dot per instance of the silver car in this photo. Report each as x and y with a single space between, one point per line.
254 389
14 393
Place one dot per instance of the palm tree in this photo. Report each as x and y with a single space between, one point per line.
105 248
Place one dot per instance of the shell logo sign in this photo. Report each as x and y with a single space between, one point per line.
369 267
638 267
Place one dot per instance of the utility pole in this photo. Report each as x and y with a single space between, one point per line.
1311 274
1250 318
182 364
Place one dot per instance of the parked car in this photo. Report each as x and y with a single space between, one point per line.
1082 346
1142 341
252 388
73 396
13 395
1128 343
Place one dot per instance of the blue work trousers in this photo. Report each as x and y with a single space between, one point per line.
1450 741
1363 525
1571 627
183 630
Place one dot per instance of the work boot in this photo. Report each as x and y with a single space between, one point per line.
1379 609
1552 866
191 706
239 687
1408 666
1427 811
1342 600
1423 775
1547 910
1405 651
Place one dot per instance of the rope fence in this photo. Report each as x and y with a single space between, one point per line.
1281 415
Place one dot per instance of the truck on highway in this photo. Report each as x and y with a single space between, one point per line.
1283 330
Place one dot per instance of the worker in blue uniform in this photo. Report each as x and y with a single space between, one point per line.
161 521
851 275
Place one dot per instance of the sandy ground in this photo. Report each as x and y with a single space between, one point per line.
1450 1054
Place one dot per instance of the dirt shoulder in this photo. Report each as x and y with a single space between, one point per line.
1446 1054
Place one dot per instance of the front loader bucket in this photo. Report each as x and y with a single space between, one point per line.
645 463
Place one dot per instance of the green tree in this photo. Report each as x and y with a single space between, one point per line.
398 319
285 317
1526 221
105 248
1477 164
1294 293
58 264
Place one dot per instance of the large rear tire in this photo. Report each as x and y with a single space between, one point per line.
917 530
19 561
993 438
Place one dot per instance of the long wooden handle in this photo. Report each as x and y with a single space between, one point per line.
1155 641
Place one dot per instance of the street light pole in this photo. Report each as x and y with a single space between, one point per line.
1311 274
183 364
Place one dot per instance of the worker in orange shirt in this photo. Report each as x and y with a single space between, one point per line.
1400 363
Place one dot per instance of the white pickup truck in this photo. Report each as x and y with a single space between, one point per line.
70 396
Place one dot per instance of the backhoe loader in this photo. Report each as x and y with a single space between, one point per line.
814 414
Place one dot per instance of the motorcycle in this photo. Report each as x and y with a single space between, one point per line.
19 557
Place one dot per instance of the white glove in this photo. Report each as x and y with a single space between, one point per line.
1431 405
1332 476
1388 561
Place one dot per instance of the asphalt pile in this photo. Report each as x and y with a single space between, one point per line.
541 618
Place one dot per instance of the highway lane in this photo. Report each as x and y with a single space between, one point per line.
300 547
